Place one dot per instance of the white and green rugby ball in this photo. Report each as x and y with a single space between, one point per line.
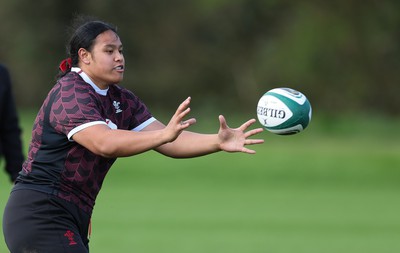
284 111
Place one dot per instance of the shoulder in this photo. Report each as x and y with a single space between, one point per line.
72 89
71 78
73 83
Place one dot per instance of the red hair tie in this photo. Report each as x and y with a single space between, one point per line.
65 65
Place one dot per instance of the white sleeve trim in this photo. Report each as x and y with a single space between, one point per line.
144 124
83 126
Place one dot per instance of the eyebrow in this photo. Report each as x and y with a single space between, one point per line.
113 46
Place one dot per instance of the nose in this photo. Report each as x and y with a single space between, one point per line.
119 56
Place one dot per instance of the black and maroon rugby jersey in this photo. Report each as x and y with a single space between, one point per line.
58 165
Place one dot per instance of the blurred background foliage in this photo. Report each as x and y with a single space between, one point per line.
342 54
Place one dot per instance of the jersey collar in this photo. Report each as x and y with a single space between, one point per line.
87 79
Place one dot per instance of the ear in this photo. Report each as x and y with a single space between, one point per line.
84 56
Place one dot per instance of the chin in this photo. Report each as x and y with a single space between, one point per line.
117 80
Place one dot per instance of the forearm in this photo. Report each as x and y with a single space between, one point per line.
119 143
191 144
128 143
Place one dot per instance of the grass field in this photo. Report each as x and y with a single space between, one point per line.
333 188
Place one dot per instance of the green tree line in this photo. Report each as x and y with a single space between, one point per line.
343 54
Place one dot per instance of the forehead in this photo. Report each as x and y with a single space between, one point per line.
108 38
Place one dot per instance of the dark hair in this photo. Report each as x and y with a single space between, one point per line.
84 32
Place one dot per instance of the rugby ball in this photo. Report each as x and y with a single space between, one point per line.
284 111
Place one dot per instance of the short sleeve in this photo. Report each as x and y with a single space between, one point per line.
75 105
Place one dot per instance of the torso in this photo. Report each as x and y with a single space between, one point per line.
60 166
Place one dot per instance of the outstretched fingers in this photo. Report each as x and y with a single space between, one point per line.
253 132
182 111
236 140
251 142
250 133
247 124
183 108
248 151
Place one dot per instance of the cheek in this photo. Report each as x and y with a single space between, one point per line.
103 67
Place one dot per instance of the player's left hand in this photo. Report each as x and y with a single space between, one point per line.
235 140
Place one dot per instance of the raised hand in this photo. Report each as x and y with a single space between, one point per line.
177 123
235 140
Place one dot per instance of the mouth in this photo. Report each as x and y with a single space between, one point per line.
119 68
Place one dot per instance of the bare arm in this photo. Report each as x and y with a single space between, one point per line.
171 140
102 140
191 144
188 144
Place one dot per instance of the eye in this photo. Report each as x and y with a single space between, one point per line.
109 50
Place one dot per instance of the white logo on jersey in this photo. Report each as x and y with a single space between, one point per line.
116 105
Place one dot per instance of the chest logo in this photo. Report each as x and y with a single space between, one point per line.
116 106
